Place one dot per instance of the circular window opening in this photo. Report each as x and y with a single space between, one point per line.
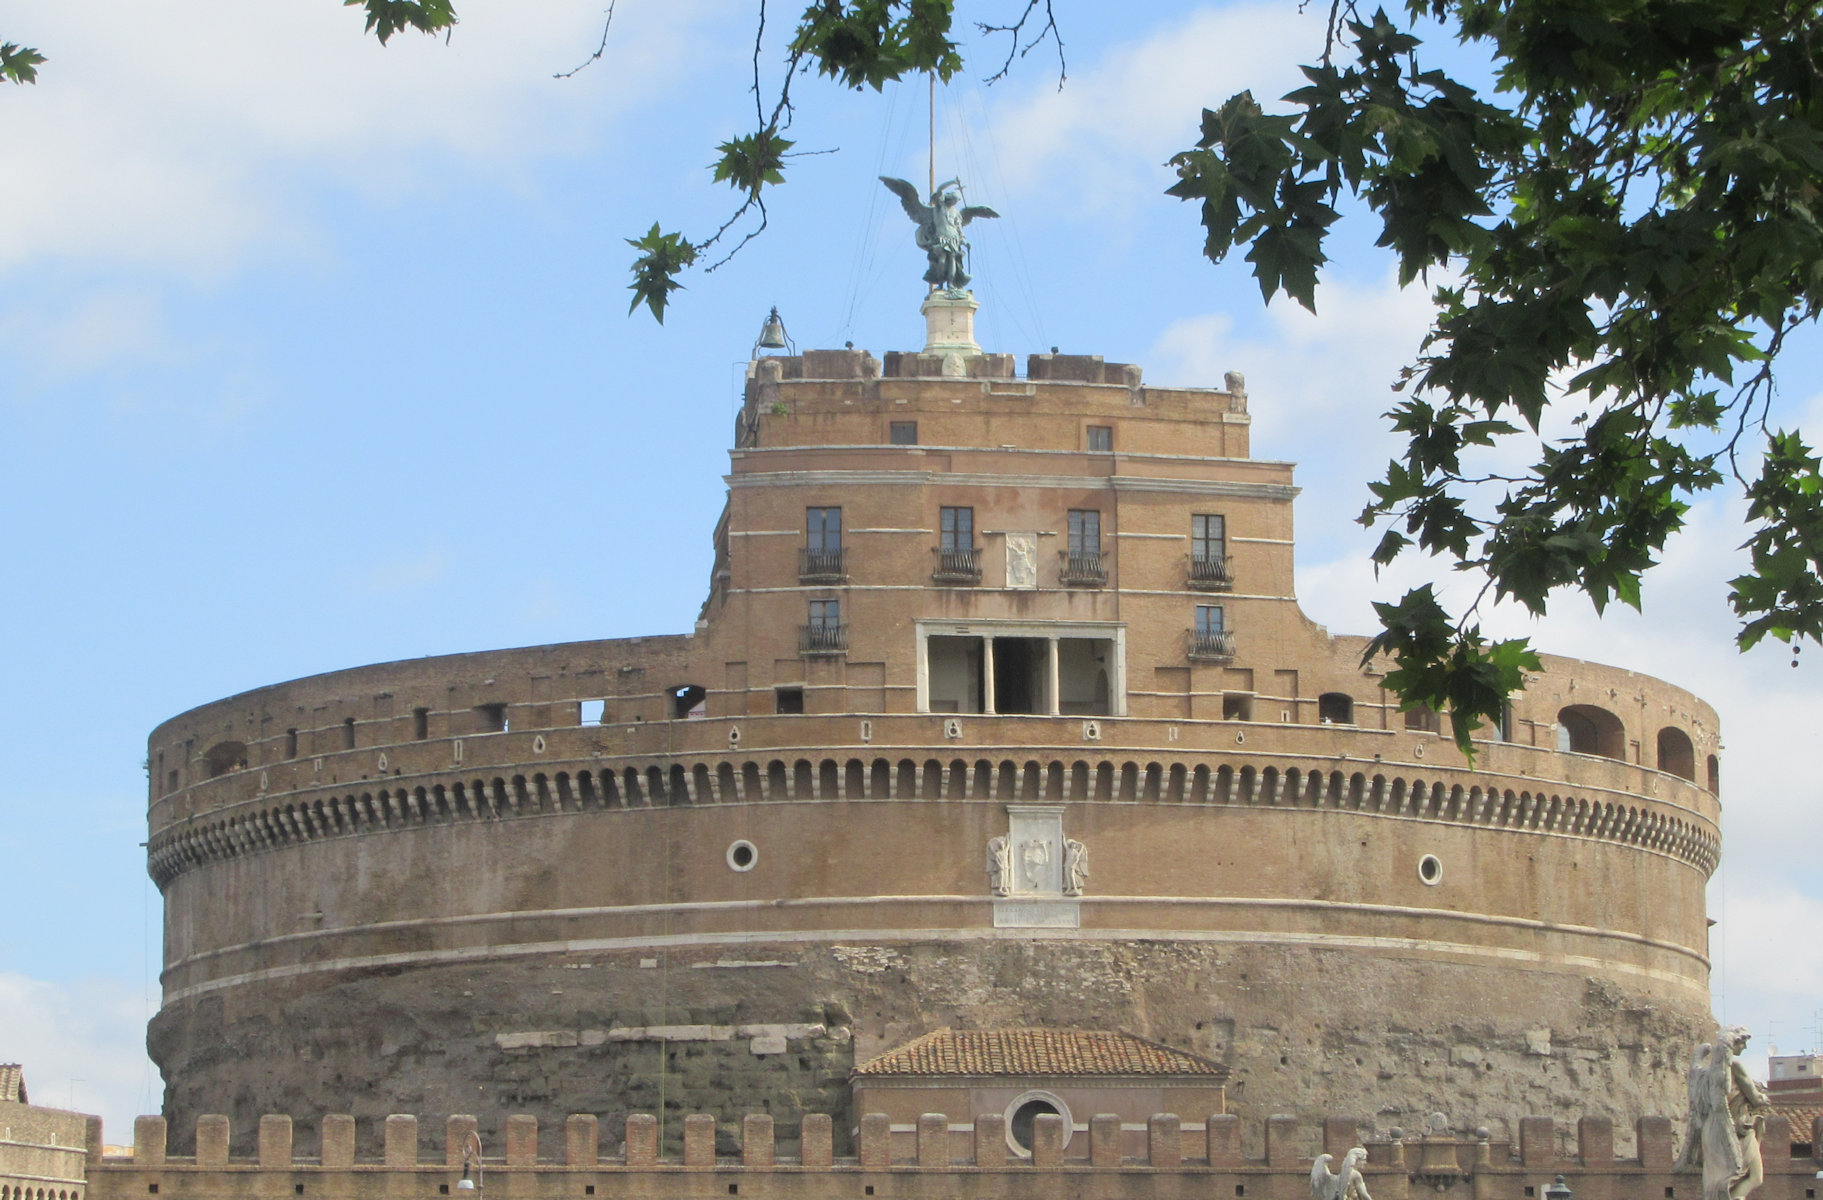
1022 1116
742 855
1430 870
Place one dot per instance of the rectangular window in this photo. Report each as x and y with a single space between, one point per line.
1208 620
823 530
790 700
490 718
825 614
904 433
591 712
1101 438
348 734
957 527
291 743
1208 537
1237 706
1085 531
420 723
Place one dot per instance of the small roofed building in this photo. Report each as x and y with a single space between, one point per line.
43 1151
1795 1087
1021 1074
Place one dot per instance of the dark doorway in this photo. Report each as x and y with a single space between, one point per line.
1019 664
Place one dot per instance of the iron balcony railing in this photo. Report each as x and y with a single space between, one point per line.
822 639
822 566
961 565
1212 644
1083 568
1211 573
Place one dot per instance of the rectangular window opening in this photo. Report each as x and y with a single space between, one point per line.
291 743
1085 531
823 530
1101 438
592 712
956 528
954 672
904 433
789 701
1237 706
1084 676
491 718
348 733
420 723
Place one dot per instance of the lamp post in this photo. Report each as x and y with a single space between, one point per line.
471 1157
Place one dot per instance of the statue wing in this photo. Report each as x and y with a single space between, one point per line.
975 210
1321 1181
915 208
1696 1086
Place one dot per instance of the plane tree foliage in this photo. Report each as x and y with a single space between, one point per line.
1620 232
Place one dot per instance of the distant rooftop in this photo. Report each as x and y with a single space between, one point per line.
12 1083
1038 1052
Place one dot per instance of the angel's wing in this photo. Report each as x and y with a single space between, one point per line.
1321 1181
977 210
915 208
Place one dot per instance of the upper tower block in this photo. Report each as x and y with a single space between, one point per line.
1065 402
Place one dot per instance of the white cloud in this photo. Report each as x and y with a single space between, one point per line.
176 134
1116 123
82 1044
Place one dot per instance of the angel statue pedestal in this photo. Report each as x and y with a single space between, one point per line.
949 327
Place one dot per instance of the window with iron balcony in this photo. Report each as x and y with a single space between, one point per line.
1210 637
958 560
1082 562
1210 570
821 560
825 634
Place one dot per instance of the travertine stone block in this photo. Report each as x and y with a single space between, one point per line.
456 1131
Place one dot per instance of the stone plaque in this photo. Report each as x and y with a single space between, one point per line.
1037 914
1022 560
1035 849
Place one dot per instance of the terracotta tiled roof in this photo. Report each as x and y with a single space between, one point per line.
12 1083
1035 1052
1800 1116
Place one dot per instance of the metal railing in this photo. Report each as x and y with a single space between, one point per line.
822 566
1211 574
1212 644
822 639
957 566
1083 568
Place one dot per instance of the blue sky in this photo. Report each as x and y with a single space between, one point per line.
316 354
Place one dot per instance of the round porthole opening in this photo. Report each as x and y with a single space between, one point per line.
742 855
1022 1117
1430 870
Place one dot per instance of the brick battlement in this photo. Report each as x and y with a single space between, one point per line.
935 1158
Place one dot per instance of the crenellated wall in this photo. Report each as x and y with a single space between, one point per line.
1179 1160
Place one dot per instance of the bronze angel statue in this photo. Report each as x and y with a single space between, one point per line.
940 229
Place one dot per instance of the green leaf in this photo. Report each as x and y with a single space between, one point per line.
662 257
19 63
749 163
387 17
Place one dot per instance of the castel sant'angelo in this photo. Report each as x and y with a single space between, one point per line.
1000 717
